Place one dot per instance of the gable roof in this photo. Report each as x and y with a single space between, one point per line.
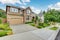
15 7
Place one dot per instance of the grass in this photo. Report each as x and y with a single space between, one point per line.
5 30
54 28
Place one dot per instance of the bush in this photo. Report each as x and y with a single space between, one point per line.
9 32
39 26
5 30
4 26
54 28
4 16
32 24
43 25
28 22
0 21
3 33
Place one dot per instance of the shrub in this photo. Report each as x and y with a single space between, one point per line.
5 30
39 26
54 28
32 24
45 24
4 26
9 32
28 22
3 33
0 21
4 16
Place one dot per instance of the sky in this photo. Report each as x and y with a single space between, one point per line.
35 5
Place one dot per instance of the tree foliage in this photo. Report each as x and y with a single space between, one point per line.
2 13
52 15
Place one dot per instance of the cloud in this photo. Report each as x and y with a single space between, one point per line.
14 1
10 1
34 9
55 6
25 1
23 7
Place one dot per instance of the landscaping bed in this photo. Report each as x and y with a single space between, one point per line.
5 30
39 25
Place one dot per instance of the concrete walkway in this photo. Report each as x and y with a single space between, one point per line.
22 28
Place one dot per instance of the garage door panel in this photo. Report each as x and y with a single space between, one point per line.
15 20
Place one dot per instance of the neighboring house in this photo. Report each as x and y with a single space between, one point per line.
16 15
41 17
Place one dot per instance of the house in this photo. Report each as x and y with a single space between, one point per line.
17 15
41 17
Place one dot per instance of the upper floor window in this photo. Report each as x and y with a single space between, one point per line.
13 10
28 11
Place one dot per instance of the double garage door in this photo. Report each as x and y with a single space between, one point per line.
15 20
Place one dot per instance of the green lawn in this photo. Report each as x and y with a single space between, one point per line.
5 30
54 28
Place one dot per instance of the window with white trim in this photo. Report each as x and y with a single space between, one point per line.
13 10
28 11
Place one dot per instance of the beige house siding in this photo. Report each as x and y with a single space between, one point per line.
28 14
19 17
14 17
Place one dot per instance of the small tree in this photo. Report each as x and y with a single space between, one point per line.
33 19
36 20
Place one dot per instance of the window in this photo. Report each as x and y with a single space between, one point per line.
28 11
27 18
13 10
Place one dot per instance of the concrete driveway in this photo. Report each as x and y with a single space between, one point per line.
27 32
58 36
22 28
39 34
